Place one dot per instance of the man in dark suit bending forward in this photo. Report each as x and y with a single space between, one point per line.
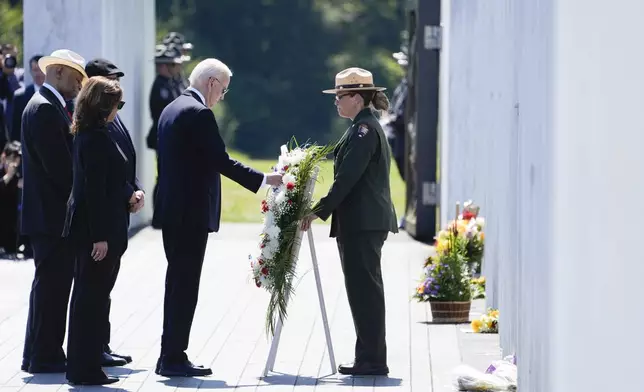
192 156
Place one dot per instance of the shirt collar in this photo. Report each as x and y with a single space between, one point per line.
194 90
56 93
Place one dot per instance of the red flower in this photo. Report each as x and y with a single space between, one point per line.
262 245
290 186
290 202
467 215
265 271
260 261
285 168
257 283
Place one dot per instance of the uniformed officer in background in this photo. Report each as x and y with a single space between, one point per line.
164 90
176 39
363 214
394 122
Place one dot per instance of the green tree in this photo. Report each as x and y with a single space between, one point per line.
282 54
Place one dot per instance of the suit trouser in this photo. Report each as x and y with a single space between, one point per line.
47 318
360 257
90 306
184 249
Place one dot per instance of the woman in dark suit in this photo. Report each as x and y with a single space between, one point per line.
97 221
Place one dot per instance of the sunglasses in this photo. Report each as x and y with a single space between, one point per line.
120 105
340 96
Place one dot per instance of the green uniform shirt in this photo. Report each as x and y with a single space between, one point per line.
360 196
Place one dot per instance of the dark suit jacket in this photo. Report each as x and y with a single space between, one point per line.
360 196
46 165
121 136
20 99
192 156
98 208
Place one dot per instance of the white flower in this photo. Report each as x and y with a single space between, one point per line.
288 178
280 198
268 252
273 233
480 221
269 218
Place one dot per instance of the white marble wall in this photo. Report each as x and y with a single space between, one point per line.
542 126
122 31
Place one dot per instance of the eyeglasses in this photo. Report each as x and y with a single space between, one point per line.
120 105
225 90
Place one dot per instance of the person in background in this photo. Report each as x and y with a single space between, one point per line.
97 223
23 95
185 48
10 183
8 85
164 91
119 134
363 215
394 123
47 174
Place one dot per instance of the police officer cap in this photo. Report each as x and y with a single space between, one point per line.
167 54
177 39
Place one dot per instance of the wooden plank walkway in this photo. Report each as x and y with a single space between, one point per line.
228 330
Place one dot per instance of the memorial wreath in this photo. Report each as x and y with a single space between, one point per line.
273 267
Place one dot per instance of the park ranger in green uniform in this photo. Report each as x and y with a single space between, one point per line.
363 215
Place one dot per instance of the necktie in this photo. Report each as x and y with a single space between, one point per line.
69 114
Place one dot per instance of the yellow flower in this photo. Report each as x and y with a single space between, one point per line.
494 314
482 236
476 325
441 245
461 227
489 323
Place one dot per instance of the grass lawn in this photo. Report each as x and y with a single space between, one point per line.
240 205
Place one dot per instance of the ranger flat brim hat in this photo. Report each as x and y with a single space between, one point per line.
353 79
64 57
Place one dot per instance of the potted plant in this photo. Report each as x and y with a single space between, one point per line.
447 279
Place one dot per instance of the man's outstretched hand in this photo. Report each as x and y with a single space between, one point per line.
306 222
273 179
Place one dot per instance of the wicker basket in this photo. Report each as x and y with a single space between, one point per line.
450 312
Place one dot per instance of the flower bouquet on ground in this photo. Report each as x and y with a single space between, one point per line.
469 226
488 323
446 282
274 264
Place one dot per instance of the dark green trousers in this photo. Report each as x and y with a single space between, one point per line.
360 256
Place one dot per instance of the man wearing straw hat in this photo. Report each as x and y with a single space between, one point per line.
47 170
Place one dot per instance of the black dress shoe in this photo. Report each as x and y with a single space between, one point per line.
96 381
360 368
127 358
182 369
108 360
108 350
35 368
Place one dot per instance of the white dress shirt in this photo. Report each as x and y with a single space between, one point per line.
56 93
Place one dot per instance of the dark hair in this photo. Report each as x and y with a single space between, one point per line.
96 100
377 100
11 148
35 59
